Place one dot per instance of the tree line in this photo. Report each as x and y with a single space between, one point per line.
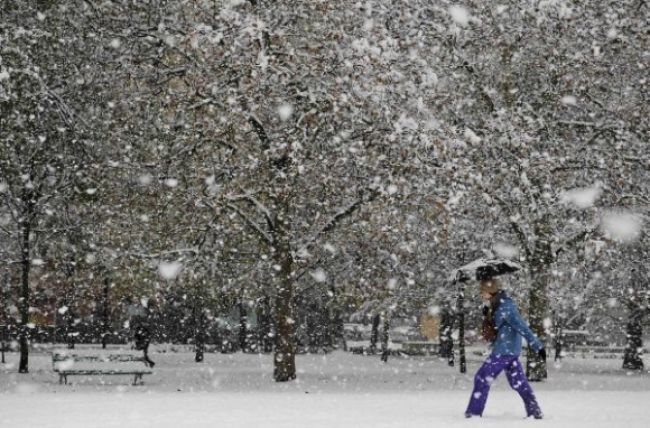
259 151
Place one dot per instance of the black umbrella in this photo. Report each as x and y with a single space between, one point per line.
481 269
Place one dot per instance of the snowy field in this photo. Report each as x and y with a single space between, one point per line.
334 390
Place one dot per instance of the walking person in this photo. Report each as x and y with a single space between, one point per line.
142 338
504 328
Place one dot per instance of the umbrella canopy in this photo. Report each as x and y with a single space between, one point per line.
483 269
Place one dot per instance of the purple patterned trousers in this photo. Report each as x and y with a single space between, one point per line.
488 372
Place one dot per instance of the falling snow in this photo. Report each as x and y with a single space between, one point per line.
169 270
271 201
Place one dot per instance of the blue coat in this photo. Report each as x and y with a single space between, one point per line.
510 329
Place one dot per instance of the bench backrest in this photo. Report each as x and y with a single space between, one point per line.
98 362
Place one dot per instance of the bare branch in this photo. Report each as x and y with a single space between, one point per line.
161 254
260 131
262 234
516 227
338 217
257 204
574 240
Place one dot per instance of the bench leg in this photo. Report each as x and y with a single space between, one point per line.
60 379
135 379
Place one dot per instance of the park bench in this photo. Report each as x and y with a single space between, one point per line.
420 348
66 364
596 352
598 349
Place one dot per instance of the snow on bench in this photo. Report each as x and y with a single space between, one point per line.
66 364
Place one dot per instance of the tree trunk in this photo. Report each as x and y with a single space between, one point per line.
199 336
538 304
3 341
243 327
337 333
327 329
24 296
105 311
633 332
71 334
461 330
384 339
285 351
311 328
264 326
5 318
374 333
559 343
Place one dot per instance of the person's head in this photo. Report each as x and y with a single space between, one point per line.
489 288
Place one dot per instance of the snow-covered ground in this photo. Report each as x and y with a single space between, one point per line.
334 390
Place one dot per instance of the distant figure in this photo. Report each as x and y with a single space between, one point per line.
142 338
446 327
504 328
